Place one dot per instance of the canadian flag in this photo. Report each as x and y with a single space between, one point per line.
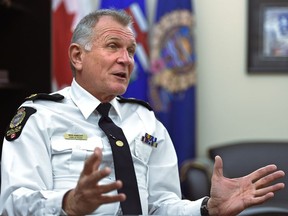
65 16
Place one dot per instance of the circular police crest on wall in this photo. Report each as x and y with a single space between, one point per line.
172 54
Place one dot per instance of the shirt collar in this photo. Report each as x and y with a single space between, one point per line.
87 103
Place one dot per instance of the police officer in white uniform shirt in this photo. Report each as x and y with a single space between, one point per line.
56 160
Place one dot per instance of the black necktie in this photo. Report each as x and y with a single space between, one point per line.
124 168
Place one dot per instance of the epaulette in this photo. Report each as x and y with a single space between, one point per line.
44 96
18 122
134 100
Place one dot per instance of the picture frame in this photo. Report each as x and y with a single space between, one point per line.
267 36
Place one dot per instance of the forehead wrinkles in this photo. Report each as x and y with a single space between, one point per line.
109 32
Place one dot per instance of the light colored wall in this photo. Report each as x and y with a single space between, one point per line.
232 104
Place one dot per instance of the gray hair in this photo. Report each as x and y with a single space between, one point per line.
84 31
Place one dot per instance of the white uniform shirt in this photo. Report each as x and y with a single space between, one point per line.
45 161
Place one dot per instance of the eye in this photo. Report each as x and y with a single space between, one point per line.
112 46
131 51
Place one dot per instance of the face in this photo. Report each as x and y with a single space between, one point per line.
105 70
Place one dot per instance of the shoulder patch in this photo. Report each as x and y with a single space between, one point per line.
18 121
44 96
134 100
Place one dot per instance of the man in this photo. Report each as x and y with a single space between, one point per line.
57 160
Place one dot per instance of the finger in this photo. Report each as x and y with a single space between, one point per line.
106 188
218 166
269 189
261 172
93 178
104 199
261 199
268 179
94 191
98 154
100 193
93 162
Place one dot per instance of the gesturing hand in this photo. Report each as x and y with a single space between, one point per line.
231 196
88 194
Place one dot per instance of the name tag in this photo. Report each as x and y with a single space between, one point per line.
75 136
88 144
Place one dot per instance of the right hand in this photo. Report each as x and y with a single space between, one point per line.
88 194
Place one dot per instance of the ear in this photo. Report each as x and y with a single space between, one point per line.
75 54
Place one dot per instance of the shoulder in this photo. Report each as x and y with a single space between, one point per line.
134 101
25 111
45 103
56 97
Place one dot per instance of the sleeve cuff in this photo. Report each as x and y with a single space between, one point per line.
53 204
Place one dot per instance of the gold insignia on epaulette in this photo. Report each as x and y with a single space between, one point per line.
31 96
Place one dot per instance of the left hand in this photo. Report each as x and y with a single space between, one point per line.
231 196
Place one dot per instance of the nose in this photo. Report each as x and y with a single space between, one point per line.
125 58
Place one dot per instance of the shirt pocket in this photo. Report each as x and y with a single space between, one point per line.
68 156
142 150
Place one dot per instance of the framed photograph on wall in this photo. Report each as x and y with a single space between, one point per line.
267 36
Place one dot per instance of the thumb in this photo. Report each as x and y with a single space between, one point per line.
218 166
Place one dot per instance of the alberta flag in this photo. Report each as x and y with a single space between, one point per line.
172 81
138 83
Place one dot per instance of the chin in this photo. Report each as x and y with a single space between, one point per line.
121 90
121 93
118 88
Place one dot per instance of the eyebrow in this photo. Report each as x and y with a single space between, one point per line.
133 42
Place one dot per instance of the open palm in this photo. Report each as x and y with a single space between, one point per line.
231 196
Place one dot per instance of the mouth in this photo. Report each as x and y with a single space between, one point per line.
121 75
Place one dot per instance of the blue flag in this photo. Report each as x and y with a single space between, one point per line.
172 81
138 83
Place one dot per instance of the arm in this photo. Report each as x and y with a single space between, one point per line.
228 196
164 183
27 182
